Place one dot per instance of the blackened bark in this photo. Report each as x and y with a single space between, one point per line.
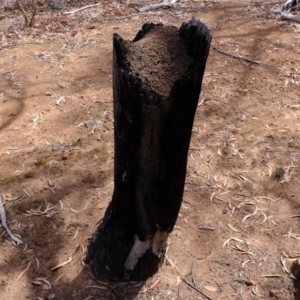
152 136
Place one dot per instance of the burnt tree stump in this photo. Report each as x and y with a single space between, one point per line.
157 80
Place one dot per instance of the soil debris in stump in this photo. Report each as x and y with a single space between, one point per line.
153 58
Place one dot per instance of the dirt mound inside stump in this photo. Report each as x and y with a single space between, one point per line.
160 57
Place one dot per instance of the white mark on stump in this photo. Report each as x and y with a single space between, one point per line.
138 250
157 243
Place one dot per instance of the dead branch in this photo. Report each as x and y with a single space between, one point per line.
122 17
33 13
238 57
285 9
25 13
3 221
290 17
197 289
20 7
164 4
193 276
127 16
79 9
156 6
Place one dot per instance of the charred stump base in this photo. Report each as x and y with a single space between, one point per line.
156 87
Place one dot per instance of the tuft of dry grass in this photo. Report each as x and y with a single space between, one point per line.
278 173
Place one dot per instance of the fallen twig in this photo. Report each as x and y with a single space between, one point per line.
71 258
97 287
3 222
154 284
24 271
290 17
197 289
26 13
124 17
85 207
40 281
75 234
204 227
164 4
60 100
245 262
79 9
232 238
156 6
230 226
49 211
193 275
37 262
238 57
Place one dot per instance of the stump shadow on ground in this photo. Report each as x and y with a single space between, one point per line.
84 286
45 239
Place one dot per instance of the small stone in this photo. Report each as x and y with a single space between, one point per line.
34 118
56 5
57 146
93 123
51 296
50 183
63 85
90 26
48 93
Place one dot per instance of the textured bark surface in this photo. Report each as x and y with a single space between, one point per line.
152 136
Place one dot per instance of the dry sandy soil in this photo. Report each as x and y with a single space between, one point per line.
237 234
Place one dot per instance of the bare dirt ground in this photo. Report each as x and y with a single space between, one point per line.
237 235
